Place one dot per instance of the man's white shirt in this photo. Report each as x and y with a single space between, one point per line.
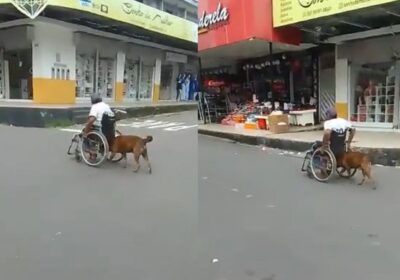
338 125
98 110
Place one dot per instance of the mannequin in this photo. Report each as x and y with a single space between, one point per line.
178 87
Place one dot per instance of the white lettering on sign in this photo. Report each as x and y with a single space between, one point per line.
220 16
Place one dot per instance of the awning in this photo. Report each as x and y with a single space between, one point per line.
230 54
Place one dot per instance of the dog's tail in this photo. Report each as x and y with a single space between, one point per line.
148 139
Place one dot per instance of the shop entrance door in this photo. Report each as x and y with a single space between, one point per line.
131 79
17 76
396 109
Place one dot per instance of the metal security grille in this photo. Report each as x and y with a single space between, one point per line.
327 101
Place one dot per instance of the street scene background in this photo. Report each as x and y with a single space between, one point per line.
261 218
61 219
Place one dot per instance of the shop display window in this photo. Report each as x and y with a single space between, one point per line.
105 77
146 82
85 65
372 99
131 79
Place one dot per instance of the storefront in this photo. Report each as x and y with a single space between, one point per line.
366 68
78 48
262 69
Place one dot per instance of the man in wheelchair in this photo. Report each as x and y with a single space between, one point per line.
101 118
335 134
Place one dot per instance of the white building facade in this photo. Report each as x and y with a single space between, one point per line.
124 51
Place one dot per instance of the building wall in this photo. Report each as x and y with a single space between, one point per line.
53 50
365 51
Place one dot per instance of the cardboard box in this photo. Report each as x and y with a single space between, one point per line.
275 119
278 123
279 128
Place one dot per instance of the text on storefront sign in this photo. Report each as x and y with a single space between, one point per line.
286 12
216 18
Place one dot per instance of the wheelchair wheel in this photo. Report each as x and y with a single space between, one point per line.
94 149
323 165
306 167
345 174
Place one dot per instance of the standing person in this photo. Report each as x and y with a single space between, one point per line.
178 87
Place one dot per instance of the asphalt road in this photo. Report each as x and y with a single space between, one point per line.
262 219
62 220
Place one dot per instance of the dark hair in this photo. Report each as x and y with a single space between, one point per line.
332 114
95 99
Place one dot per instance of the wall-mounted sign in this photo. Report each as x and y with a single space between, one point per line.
286 12
176 57
214 19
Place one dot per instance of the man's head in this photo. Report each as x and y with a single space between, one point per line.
95 98
331 114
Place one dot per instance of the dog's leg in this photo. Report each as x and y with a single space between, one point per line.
367 168
365 172
111 156
125 160
136 156
146 158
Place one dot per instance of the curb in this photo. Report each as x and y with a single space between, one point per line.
381 156
53 117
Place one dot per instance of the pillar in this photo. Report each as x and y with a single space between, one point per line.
342 86
156 82
119 77
53 64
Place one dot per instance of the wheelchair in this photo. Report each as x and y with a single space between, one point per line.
94 148
320 164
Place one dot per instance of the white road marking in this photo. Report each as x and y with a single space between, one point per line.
182 127
164 125
147 124
71 130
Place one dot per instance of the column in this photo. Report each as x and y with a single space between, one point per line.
156 82
119 77
53 65
342 86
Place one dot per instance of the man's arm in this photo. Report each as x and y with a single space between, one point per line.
352 132
90 121
326 139
89 125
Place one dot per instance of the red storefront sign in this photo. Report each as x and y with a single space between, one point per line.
214 83
223 22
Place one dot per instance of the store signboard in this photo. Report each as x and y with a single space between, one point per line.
127 11
225 22
286 12
176 57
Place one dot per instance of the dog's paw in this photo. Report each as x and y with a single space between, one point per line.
150 171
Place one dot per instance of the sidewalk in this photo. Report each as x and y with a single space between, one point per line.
383 147
27 114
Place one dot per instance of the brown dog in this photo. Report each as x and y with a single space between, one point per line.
355 160
125 144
